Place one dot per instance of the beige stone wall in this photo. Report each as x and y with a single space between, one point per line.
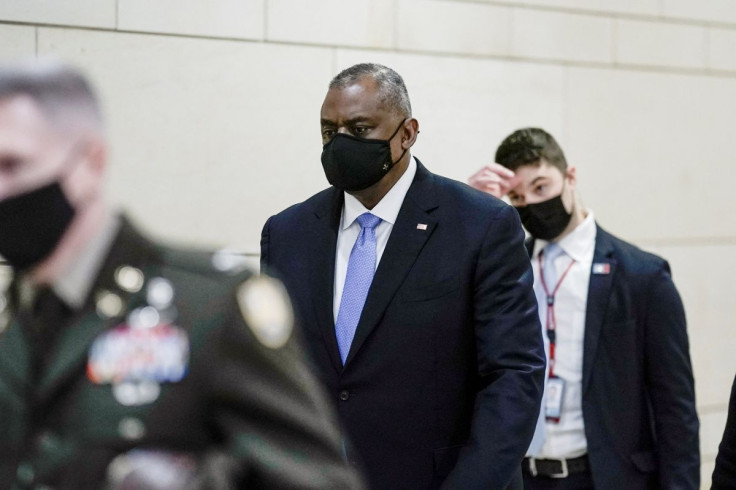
213 113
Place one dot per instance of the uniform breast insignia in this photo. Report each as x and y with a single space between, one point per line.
143 352
267 311
129 278
108 304
154 469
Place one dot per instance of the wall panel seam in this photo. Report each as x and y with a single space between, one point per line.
704 71
657 17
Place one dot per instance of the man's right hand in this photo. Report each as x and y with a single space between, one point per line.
494 179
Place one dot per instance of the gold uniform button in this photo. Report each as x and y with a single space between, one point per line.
108 305
129 278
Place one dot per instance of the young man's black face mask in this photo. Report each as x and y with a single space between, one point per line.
545 220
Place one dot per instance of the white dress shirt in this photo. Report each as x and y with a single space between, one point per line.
566 438
76 281
387 209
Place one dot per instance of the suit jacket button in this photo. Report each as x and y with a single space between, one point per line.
344 395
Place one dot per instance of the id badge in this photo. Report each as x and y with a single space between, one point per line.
553 403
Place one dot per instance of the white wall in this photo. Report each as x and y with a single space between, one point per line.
213 114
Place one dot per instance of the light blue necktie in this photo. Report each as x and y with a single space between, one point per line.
549 254
361 267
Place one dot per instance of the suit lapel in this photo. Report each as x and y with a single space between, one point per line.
599 293
70 354
324 243
529 244
403 248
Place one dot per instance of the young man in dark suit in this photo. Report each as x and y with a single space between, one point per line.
124 363
619 408
415 296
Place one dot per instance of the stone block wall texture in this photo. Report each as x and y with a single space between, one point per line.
213 113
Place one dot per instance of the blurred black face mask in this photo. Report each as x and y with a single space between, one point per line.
353 164
32 224
545 220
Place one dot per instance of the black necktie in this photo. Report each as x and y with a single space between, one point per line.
49 314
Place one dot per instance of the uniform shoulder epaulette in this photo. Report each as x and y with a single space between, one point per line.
205 262
266 309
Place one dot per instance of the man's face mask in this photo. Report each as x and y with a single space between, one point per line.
545 220
353 164
32 224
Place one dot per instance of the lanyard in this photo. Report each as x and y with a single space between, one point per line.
551 320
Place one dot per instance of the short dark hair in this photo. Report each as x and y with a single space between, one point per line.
528 146
60 91
391 87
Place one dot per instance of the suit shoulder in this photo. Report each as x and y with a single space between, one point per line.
316 201
633 257
462 194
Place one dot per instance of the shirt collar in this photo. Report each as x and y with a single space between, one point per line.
387 208
578 244
74 284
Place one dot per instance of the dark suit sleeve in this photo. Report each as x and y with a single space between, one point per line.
724 474
670 385
265 242
272 413
511 360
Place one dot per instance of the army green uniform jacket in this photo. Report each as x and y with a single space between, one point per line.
173 373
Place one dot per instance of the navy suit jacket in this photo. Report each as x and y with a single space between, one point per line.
447 361
724 474
638 393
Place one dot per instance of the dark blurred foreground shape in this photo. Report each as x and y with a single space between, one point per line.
125 364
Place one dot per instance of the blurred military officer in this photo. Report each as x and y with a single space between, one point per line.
123 363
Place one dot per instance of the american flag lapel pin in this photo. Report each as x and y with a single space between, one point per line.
422 226
602 268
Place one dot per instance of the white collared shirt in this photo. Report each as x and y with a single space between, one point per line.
566 438
76 281
387 209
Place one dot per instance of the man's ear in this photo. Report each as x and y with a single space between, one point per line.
96 154
86 181
409 132
571 176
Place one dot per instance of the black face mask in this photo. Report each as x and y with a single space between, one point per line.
32 224
353 164
545 220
